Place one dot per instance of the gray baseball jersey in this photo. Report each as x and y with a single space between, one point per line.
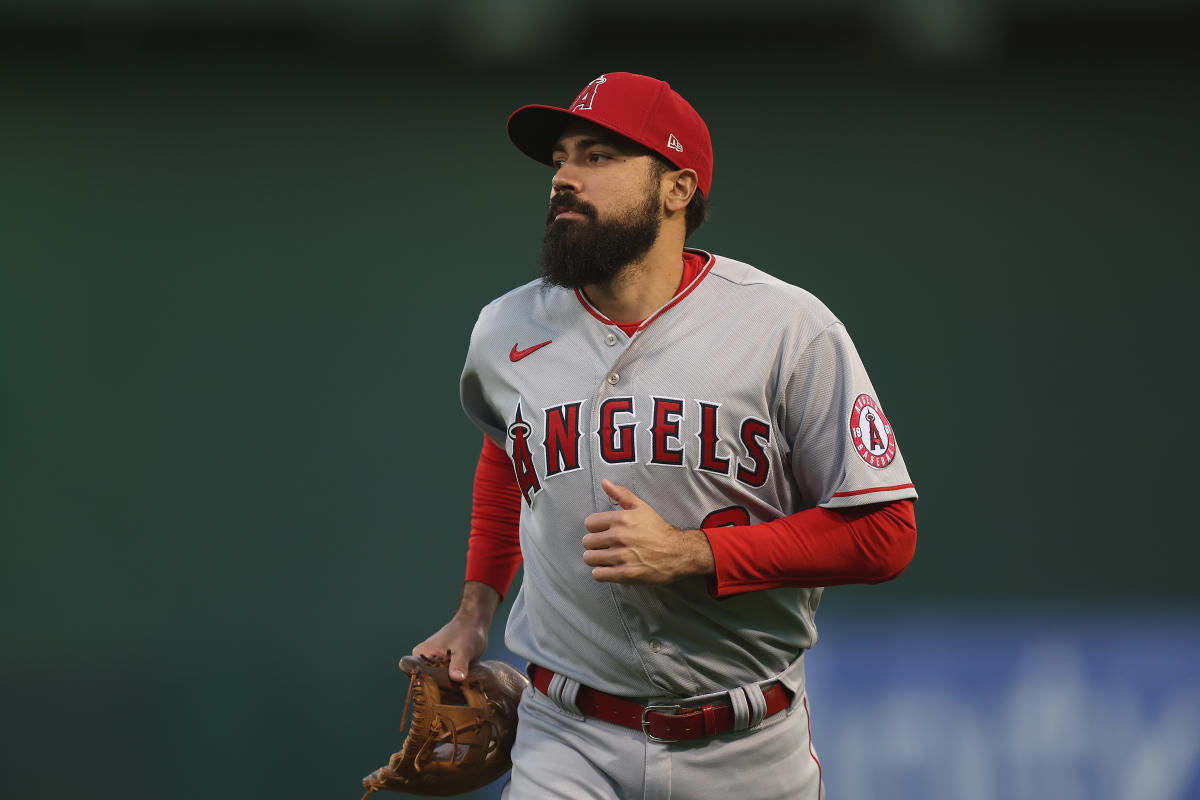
741 401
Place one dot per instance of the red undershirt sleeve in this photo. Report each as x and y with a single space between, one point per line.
817 547
494 546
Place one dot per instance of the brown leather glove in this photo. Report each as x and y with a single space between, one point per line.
461 734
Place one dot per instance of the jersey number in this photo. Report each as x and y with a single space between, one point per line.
727 518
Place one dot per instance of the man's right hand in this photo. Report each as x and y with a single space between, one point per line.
464 637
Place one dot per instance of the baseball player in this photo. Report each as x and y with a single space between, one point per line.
682 450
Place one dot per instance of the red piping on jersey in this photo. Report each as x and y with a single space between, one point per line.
877 489
704 268
590 309
820 781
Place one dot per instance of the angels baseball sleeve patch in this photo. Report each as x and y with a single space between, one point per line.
871 433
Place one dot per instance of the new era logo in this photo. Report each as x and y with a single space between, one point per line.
674 144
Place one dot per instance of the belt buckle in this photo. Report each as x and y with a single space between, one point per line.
672 709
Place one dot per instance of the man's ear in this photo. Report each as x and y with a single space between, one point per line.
681 188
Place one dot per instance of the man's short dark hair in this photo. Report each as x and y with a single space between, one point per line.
697 210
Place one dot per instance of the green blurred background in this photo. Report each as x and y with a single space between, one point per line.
242 248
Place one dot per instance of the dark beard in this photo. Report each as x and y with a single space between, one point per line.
578 253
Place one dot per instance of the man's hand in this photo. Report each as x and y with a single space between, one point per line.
464 637
635 544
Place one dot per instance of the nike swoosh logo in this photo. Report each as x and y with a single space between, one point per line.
516 355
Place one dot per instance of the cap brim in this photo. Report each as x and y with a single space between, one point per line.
535 130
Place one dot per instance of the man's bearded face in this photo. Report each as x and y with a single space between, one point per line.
582 252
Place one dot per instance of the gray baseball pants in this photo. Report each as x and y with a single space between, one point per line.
560 753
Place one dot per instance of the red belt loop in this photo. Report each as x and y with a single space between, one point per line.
710 720
662 723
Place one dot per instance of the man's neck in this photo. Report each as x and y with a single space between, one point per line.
642 287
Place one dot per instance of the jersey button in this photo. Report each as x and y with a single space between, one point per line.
655 645
611 339
613 377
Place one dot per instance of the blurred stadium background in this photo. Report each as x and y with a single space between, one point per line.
242 245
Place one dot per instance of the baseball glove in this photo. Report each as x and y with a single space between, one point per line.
461 734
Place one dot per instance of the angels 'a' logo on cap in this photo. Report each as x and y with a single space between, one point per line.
585 99
871 433
674 144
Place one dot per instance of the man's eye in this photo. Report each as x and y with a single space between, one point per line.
592 158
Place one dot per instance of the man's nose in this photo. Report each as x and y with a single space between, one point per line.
566 179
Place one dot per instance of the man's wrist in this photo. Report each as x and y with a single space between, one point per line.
701 555
478 603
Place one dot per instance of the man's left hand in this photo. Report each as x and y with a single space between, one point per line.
635 544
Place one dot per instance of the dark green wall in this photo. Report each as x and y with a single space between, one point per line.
235 293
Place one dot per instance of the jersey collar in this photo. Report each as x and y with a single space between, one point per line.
686 287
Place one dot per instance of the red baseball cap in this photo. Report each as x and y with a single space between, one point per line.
638 107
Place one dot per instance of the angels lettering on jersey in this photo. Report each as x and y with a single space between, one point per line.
719 446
